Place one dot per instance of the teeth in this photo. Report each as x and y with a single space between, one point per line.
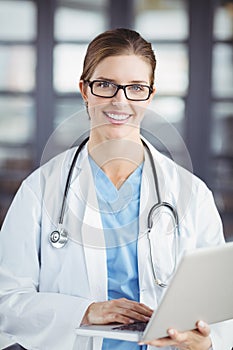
118 116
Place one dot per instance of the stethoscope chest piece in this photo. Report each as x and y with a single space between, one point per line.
58 238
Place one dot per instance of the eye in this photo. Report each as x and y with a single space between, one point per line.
103 84
137 88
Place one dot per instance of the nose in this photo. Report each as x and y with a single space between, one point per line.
120 96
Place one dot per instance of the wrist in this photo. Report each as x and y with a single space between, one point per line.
209 344
86 319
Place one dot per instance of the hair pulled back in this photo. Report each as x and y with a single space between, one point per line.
114 43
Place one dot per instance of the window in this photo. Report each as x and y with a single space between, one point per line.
23 15
162 20
41 59
17 103
76 23
222 113
166 25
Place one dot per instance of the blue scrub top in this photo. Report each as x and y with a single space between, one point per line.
120 219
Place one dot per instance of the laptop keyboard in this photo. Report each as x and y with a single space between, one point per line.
136 326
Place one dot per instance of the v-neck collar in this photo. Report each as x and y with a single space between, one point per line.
105 188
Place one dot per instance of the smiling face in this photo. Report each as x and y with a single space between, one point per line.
117 117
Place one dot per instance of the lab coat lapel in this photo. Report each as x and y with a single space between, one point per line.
92 235
147 199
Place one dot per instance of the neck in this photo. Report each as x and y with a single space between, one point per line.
118 158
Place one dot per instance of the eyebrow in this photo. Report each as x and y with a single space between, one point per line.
114 81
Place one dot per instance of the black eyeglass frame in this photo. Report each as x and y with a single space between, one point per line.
118 86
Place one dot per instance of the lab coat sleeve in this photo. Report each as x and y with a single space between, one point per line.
36 320
210 232
222 335
209 227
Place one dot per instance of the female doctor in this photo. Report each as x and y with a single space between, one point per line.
91 262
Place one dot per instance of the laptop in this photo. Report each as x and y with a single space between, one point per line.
201 289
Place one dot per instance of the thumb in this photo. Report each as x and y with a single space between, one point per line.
203 328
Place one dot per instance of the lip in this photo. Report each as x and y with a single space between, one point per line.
117 117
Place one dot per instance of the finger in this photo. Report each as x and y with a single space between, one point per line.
141 310
118 318
177 336
134 315
118 310
174 338
107 312
132 309
137 307
148 311
203 328
161 342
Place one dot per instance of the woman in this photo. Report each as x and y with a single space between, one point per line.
103 273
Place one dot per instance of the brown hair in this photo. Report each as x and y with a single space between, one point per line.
114 43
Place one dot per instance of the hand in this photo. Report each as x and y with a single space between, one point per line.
197 339
118 310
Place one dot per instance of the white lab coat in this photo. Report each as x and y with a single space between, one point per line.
45 291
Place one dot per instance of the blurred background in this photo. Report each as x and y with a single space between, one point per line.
42 46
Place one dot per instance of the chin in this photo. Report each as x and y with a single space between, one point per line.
122 132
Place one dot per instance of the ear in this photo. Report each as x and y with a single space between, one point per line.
83 90
153 92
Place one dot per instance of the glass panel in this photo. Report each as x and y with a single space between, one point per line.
17 120
83 3
171 76
221 165
162 19
70 125
169 108
223 21
164 125
76 24
222 70
67 108
15 164
222 131
68 63
17 20
17 71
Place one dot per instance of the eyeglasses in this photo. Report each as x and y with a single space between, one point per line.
133 92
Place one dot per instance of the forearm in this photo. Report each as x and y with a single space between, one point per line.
39 320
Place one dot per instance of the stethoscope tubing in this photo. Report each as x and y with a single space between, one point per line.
59 237
68 181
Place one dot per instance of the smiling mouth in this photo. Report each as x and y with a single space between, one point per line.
118 117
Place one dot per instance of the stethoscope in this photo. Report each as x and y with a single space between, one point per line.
59 237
